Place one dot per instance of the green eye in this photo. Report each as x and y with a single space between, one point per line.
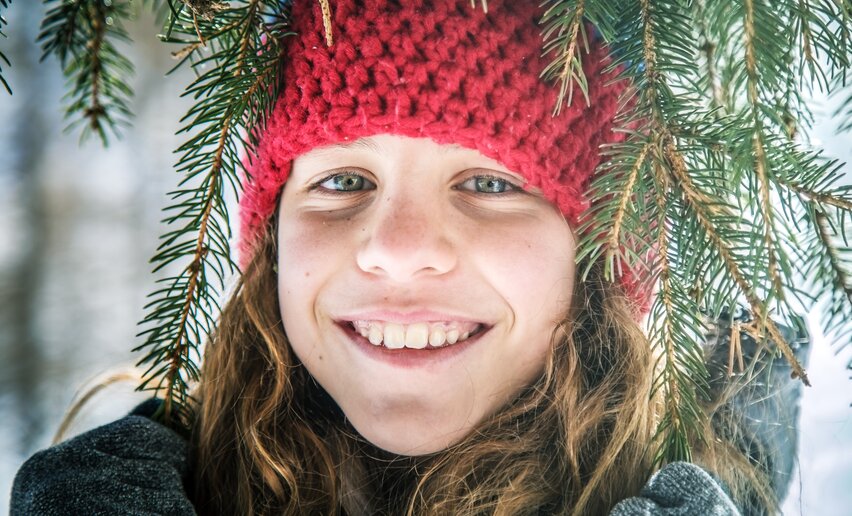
489 185
347 183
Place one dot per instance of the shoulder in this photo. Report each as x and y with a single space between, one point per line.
131 465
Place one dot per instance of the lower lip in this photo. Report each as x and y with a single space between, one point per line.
407 357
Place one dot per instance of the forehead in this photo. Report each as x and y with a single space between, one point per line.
390 145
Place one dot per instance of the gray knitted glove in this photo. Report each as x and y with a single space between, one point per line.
131 466
680 489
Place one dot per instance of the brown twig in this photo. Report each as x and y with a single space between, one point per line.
326 22
841 279
95 110
735 349
818 197
569 53
205 9
665 293
615 234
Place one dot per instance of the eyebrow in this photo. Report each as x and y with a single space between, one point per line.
361 143
371 145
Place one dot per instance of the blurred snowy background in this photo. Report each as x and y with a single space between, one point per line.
79 223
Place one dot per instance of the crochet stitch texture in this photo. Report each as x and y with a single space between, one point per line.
444 70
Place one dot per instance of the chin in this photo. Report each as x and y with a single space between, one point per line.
401 440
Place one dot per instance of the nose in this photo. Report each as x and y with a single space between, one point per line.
407 238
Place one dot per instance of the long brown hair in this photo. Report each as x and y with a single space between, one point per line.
269 440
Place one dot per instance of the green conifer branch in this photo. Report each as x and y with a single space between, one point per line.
842 277
675 427
565 36
681 377
713 85
712 246
833 266
824 256
831 199
82 35
620 187
234 94
3 59
621 211
699 205
757 140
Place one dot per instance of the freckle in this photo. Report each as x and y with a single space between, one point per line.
319 357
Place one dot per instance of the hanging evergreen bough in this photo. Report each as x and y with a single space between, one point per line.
565 36
3 59
714 191
713 145
83 34
235 51
564 32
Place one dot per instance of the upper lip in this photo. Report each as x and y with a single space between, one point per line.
406 316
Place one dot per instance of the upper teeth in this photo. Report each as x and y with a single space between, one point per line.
416 335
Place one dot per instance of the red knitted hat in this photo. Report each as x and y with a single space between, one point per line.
445 70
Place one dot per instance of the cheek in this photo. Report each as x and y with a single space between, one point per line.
309 250
531 264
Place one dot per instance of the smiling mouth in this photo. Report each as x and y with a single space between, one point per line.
420 335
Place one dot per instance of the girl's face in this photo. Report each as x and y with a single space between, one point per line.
419 284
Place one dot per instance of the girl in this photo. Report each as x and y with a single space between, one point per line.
410 335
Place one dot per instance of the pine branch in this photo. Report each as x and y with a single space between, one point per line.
757 139
565 36
698 203
823 29
842 277
82 35
819 197
621 211
679 420
824 256
3 59
715 169
682 377
234 92
640 169
708 51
